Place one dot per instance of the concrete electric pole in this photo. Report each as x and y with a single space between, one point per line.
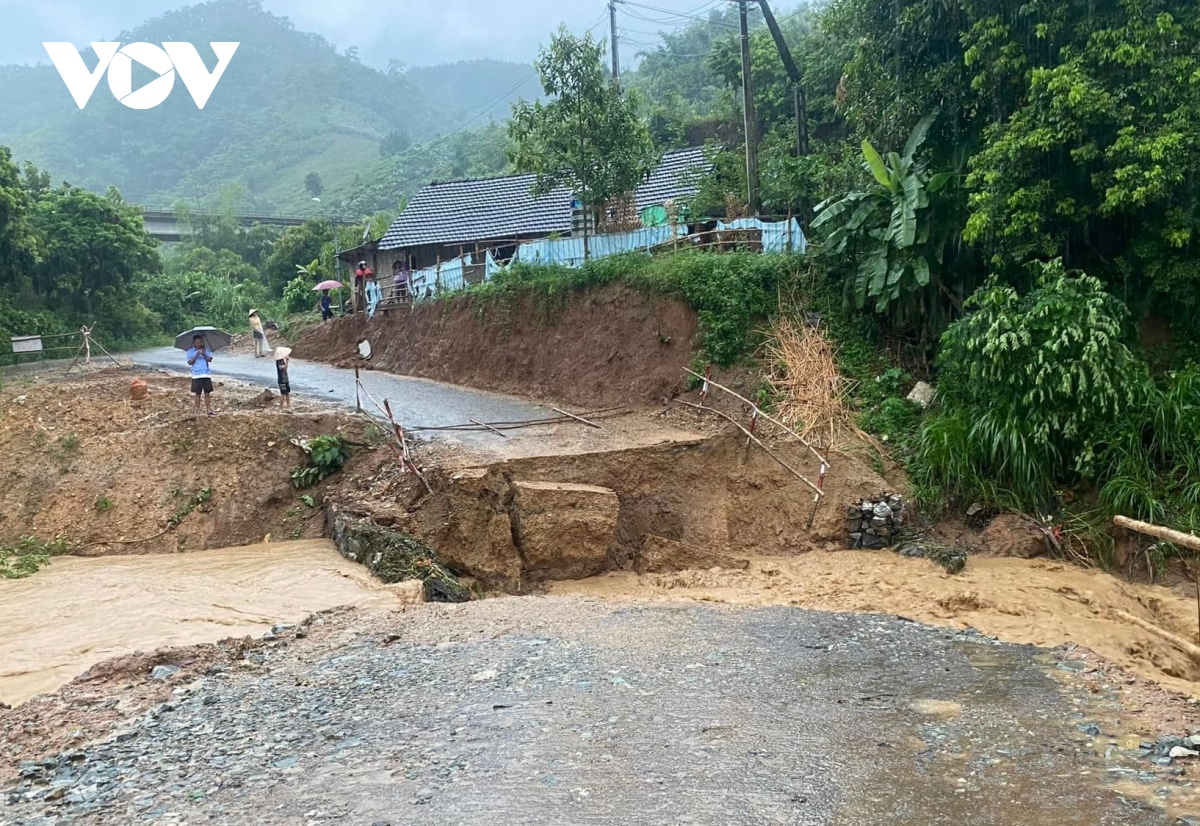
750 121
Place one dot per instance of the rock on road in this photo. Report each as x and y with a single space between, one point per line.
562 710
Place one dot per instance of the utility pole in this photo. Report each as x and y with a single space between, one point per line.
612 22
751 122
789 64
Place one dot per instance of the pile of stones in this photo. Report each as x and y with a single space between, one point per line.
876 522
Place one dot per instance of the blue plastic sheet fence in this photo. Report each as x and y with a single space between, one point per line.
569 251
778 237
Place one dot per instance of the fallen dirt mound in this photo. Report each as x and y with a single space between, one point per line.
1040 601
83 462
599 347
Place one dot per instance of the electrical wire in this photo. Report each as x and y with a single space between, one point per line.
674 15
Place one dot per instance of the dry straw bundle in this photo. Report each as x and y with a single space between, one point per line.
811 391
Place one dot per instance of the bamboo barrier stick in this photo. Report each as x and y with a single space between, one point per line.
577 418
758 442
1186 540
1192 650
489 427
769 418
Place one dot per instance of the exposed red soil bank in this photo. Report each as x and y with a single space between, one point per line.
607 346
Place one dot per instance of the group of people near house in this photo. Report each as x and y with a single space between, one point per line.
367 290
200 357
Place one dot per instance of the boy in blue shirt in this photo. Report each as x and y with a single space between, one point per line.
200 358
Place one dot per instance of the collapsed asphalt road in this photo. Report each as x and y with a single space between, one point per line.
569 711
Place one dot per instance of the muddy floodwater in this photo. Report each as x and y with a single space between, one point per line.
77 612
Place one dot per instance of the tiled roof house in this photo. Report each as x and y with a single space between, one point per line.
445 219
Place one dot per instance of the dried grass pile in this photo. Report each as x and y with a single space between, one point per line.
811 392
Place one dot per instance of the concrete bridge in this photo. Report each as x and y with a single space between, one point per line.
165 225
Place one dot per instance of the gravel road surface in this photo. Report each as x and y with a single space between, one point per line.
564 710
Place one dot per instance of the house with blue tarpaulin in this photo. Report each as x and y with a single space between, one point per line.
476 221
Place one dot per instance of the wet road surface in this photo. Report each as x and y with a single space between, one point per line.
568 711
415 402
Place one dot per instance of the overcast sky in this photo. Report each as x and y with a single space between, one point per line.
419 32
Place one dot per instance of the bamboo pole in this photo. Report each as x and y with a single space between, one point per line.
1179 642
488 427
756 441
1186 540
577 418
824 460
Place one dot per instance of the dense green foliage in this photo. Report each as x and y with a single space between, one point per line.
69 257
1031 387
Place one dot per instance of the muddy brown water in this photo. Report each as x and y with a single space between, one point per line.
77 612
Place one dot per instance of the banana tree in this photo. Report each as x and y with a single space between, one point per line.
890 229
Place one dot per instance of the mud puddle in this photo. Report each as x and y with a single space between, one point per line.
77 612
1040 602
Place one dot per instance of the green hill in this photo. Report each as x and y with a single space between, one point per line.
289 104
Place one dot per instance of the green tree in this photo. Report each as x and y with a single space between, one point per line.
16 241
590 137
92 249
312 182
298 245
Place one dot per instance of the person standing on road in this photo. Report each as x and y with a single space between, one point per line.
282 358
261 348
200 358
326 306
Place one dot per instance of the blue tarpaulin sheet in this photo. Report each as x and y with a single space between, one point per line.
776 237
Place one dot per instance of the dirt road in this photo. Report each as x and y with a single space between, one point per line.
567 710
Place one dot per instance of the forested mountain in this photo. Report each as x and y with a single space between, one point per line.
288 105
483 89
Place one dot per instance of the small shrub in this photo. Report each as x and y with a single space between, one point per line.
1031 388
326 455
189 506
103 504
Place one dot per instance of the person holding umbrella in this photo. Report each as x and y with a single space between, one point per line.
200 357
326 301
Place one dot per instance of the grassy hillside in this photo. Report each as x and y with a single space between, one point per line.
289 104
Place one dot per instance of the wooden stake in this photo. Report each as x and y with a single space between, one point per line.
576 418
756 441
770 419
357 391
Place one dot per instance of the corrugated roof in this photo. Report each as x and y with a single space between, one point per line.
494 208
677 177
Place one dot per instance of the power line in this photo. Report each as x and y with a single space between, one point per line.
674 14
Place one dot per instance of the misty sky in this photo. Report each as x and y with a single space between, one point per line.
418 32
